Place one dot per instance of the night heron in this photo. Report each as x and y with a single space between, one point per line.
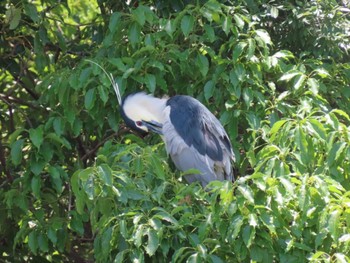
194 137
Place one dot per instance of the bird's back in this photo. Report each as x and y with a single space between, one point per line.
195 139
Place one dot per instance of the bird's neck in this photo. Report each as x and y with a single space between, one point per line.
155 107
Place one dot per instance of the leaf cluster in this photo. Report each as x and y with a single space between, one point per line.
77 186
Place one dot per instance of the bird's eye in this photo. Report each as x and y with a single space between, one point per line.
139 123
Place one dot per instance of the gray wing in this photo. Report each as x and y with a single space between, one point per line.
197 141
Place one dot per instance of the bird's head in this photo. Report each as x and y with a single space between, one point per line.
143 112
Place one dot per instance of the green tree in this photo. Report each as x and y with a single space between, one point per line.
77 185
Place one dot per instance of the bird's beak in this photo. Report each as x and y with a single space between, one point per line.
154 126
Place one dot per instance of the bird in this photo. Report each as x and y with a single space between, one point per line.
194 138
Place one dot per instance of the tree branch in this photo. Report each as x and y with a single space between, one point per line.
94 150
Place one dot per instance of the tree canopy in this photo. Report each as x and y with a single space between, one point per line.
76 185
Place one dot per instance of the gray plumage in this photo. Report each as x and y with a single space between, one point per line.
194 137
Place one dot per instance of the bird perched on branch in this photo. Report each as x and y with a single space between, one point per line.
194 137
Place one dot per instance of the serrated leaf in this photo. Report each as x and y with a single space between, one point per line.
187 23
16 152
152 243
36 136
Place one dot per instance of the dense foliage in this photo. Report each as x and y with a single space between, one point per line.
76 185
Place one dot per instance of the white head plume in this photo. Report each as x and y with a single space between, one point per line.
111 79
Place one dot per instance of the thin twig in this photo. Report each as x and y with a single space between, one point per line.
116 134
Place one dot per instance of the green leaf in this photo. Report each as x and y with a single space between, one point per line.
103 94
313 85
150 80
36 136
276 128
318 128
283 54
248 235
247 192
187 23
13 17
139 15
31 11
33 242
322 72
302 144
264 36
238 50
16 152
341 113
227 25
114 21
273 12
58 126
152 243
289 75
51 234
134 33
202 64
90 99
299 81
106 174
333 224
239 20
36 185
55 179
170 27
209 89
43 243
